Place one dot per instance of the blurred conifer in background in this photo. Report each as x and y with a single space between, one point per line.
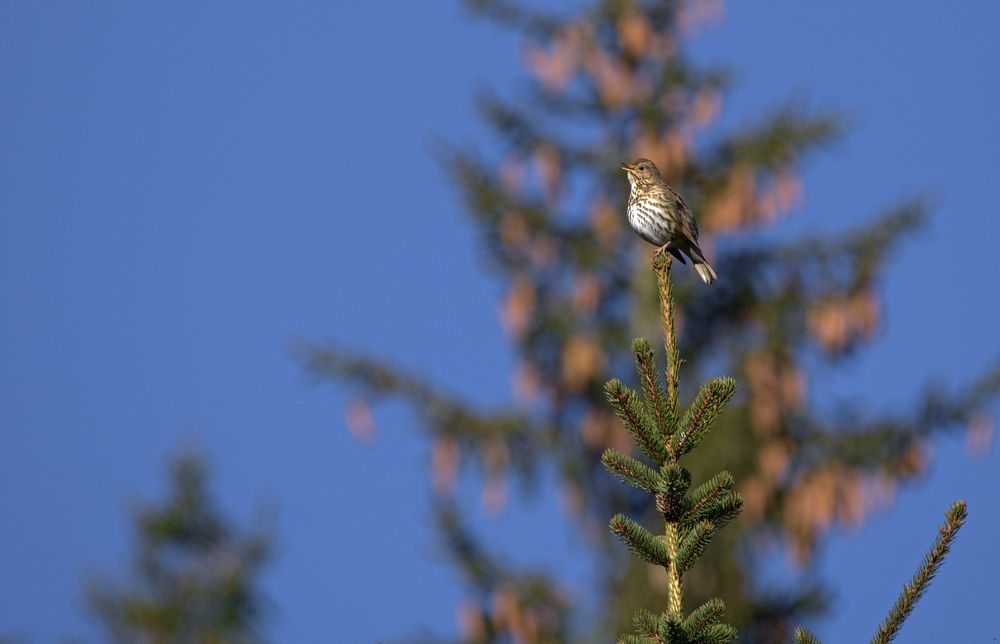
611 82
195 575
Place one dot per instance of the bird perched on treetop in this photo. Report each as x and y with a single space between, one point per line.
661 217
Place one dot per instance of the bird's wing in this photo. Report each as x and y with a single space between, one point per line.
688 226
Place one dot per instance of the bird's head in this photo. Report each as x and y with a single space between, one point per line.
641 171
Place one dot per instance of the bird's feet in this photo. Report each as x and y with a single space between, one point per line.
662 249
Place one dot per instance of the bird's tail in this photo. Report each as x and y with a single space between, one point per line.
705 272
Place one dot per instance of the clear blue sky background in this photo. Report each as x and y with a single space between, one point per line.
187 187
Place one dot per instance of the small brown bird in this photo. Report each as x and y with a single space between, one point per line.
661 217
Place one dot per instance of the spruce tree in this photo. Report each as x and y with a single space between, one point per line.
606 83
194 576
691 518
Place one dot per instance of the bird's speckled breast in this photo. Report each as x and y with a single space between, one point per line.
649 218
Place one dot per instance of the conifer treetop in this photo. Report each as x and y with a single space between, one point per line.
690 519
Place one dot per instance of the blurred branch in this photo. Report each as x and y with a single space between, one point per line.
883 440
517 16
780 137
445 414
523 604
797 274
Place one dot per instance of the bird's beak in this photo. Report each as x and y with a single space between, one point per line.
627 167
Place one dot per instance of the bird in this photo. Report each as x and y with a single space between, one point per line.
660 216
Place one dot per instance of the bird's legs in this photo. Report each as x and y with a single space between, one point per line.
662 249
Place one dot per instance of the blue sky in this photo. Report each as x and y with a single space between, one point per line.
188 188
